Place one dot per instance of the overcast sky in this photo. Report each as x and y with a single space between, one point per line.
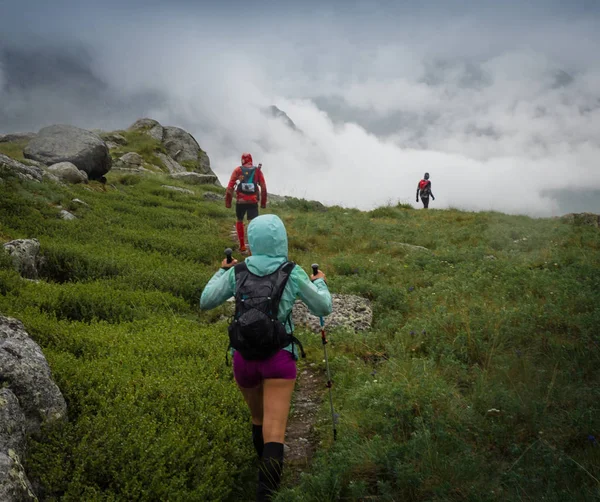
500 104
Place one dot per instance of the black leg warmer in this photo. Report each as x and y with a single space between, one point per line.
269 473
257 439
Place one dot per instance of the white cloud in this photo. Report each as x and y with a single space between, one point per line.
479 105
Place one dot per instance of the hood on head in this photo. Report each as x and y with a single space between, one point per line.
246 159
426 176
267 236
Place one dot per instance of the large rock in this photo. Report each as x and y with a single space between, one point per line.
65 171
181 145
24 253
172 165
178 189
215 197
31 173
349 311
64 143
115 138
28 398
148 126
130 160
12 423
197 179
25 372
14 485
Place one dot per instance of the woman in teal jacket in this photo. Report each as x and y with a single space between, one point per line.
267 385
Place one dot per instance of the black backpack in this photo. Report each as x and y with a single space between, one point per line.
255 331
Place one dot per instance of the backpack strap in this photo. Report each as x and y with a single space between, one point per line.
283 274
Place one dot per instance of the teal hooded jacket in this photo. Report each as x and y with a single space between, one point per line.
268 241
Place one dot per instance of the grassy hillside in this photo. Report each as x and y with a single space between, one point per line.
480 379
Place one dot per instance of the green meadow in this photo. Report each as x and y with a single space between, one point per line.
479 380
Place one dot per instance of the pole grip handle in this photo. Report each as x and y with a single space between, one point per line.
315 268
228 252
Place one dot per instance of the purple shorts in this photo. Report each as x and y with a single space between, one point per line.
249 374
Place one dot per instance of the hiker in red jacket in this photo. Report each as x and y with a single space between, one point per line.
424 189
249 184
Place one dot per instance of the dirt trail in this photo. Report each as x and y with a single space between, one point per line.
300 438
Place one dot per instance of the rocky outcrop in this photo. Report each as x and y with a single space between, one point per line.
212 196
114 139
24 253
130 160
585 219
149 126
178 189
172 165
28 398
275 112
183 151
349 311
64 143
197 179
65 171
30 173
14 485
17 137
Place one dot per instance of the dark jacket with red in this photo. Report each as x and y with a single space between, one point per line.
242 198
424 189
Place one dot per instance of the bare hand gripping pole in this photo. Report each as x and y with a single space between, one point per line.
315 268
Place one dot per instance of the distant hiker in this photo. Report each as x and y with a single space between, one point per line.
265 350
249 184
424 189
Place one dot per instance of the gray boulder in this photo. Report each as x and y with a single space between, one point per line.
28 398
349 311
65 171
204 163
25 371
12 423
30 173
65 215
64 143
115 138
24 253
181 145
148 126
197 179
178 189
14 485
212 196
130 160
172 165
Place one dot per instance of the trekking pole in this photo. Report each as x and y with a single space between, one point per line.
228 252
315 268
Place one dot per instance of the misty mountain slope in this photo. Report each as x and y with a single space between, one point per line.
478 379
58 83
